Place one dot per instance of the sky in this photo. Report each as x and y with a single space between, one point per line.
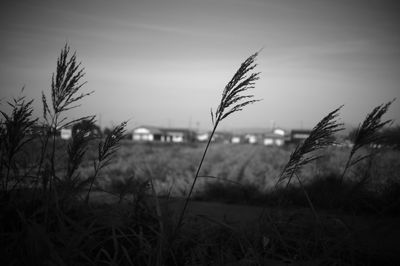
166 62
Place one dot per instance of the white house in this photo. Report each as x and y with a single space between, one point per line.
299 135
151 133
251 138
202 137
147 133
273 139
279 131
235 139
66 133
176 135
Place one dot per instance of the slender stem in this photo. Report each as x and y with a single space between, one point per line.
347 165
43 153
344 171
291 176
53 150
96 171
179 224
53 153
44 144
308 199
8 174
317 218
1 166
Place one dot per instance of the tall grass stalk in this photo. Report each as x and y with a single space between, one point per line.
72 182
16 131
65 94
232 101
321 136
106 150
367 134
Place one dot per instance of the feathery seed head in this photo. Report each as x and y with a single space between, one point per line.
65 84
16 128
232 100
367 131
111 143
321 136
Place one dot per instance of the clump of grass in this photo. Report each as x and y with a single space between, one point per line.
232 101
77 149
54 226
66 93
72 183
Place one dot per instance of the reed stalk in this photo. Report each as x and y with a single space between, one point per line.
232 101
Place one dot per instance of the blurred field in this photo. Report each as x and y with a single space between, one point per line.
171 167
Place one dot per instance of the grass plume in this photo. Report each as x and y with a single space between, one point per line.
78 147
66 83
232 99
321 136
367 134
106 150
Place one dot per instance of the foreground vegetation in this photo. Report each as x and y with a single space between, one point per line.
102 201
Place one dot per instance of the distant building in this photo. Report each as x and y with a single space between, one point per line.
279 131
222 137
156 134
202 137
147 133
273 139
251 138
299 135
178 135
66 133
236 139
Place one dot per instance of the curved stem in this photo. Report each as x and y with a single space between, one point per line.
96 171
179 224
347 166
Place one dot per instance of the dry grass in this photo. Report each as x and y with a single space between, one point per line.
53 208
321 136
367 134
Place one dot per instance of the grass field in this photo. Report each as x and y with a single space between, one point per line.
243 173
107 201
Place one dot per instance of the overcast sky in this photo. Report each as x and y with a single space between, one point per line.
166 62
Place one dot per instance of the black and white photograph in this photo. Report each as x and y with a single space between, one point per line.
200 132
